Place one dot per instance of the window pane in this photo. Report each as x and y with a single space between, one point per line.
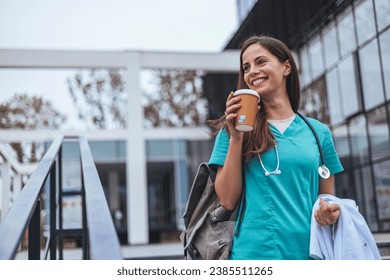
343 185
359 141
304 66
365 196
365 25
108 150
384 41
349 93
371 75
330 46
382 183
181 191
198 151
382 8
342 180
314 102
316 59
167 91
306 103
166 149
341 143
379 133
346 33
159 149
161 199
334 98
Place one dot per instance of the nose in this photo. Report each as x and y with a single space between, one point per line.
255 69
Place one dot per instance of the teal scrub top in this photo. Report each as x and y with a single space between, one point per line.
277 216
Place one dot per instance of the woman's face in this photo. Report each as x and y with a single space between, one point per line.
263 72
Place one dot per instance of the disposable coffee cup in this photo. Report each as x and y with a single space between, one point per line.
247 113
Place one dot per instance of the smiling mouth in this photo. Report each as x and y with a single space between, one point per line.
258 81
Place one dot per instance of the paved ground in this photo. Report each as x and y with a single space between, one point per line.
143 252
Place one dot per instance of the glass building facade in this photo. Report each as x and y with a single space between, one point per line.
345 83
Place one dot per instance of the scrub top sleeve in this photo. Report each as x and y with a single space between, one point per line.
331 158
220 150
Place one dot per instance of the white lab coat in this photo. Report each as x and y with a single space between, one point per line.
350 240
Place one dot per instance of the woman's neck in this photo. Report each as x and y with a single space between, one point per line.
279 109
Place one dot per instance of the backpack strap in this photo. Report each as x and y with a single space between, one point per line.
203 174
240 209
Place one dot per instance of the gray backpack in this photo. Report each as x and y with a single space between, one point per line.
209 228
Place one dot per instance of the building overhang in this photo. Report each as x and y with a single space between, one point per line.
292 21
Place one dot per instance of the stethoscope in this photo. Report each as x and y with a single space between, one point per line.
323 171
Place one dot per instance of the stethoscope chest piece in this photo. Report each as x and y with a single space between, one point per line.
324 171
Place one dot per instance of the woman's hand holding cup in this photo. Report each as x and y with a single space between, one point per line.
231 113
241 110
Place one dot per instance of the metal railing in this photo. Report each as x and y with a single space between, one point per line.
98 234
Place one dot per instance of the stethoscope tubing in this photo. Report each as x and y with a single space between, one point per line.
323 171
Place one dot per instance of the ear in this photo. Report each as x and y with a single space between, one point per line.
287 66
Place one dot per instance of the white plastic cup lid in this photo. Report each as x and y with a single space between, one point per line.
246 91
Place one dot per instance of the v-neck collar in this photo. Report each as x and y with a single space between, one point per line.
289 130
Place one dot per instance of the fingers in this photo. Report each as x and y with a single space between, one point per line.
327 213
321 219
328 206
232 104
319 216
323 205
334 207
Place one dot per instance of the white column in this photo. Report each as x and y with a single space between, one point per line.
6 186
137 200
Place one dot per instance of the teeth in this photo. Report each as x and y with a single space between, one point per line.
258 81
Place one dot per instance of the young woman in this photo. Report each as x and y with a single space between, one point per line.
281 159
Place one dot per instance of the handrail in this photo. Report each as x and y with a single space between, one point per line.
17 219
100 240
102 236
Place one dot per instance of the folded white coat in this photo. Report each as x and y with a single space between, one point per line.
351 239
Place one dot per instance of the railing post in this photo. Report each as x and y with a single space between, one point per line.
6 186
53 213
34 234
60 205
84 220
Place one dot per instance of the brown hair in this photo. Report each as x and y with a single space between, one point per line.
261 138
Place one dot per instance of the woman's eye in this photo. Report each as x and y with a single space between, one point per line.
260 62
246 68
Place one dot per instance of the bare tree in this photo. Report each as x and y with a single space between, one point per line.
100 97
29 112
177 100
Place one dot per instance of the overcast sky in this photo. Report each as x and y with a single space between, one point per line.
172 25
155 25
